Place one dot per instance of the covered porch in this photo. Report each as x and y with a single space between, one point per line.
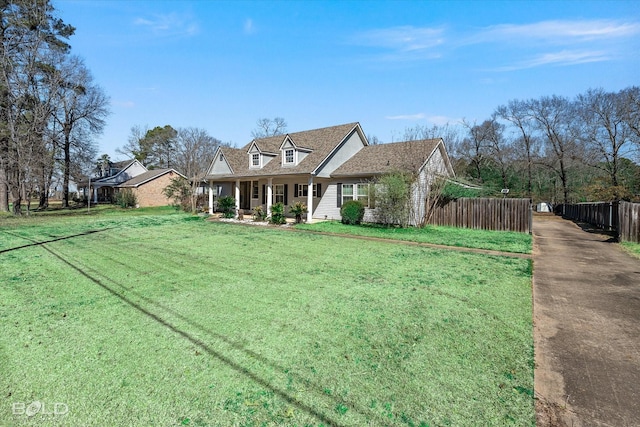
251 192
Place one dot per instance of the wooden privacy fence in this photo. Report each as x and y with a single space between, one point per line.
601 214
485 214
622 217
629 222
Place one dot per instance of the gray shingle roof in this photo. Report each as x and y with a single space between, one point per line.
406 156
147 176
321 142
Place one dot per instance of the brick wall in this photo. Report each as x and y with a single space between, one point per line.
150 193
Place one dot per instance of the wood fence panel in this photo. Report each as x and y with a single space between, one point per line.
623 217
629 222
485 214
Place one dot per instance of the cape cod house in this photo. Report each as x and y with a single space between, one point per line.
322 168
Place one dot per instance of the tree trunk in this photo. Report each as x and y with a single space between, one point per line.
65 178
4 191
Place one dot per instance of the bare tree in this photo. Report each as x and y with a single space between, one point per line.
631 102
28 33
473 148
604 131
133 148
195 149
554 119
269 127
80 114
518 114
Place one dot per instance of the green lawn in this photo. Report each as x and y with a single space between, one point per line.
505 241
632 248
166 319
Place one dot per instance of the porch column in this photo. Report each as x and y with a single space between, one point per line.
95 194
310 200
269 195
237 195
210 197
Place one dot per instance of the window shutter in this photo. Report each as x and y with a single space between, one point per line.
264 194
319 190
339 194
295 190
286 194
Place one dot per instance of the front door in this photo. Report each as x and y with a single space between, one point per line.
245 195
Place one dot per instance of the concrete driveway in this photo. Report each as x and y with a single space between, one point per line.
586 327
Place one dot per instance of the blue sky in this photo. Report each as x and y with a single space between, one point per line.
222 65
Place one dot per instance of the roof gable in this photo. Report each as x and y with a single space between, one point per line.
131 170
318 143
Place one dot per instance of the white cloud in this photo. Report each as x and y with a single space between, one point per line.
558 32
249 27
403 43
406 117
562 58
171 24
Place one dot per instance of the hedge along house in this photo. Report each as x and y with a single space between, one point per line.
321 168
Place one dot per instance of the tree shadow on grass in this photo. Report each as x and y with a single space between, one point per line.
200 343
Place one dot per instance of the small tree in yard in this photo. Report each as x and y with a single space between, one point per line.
392 195
180 191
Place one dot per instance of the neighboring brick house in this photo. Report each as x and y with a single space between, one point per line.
148 187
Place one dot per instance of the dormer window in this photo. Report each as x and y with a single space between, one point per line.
255 160
289 156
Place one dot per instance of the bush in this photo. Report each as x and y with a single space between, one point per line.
126 199
352 212
180 191
227 205
298 209
259 214
277 214
392 194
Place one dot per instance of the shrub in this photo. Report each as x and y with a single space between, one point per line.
126 199
227 205
180 191
298 209
352 212
277 214
259 214
392 194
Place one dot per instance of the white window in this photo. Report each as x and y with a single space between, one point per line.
303 190
254 190
356 192
255 160
279 193
289 156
